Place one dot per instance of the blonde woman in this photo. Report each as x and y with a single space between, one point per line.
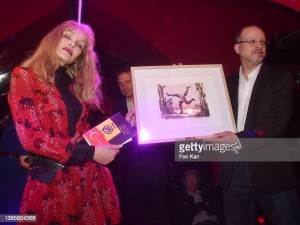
50 97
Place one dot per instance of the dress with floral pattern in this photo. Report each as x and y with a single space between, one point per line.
82 193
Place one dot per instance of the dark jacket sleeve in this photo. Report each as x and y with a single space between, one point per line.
271 105
81 152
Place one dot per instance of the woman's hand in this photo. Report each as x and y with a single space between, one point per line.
130 117
105 154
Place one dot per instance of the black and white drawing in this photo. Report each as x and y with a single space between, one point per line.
182 101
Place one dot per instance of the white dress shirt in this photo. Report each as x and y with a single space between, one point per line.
244 95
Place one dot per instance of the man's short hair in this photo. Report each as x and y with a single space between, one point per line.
123 69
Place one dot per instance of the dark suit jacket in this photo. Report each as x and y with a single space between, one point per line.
153 157
121 106
269 112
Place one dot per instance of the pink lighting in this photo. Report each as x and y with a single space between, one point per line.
144 136
293 4
79 11
261 220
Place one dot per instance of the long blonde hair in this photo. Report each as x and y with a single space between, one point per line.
44 62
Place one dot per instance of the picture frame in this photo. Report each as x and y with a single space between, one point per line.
180 102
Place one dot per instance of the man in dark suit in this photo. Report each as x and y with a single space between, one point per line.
141 169
261 98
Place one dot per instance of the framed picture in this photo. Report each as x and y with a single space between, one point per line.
178 102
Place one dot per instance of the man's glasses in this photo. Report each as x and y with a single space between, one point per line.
253 42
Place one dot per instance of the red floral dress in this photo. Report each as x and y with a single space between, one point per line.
81 194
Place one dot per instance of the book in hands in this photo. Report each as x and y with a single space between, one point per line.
115 130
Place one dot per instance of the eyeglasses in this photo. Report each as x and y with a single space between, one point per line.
192 180
253 42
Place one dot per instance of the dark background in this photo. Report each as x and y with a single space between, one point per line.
150 32
156 32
